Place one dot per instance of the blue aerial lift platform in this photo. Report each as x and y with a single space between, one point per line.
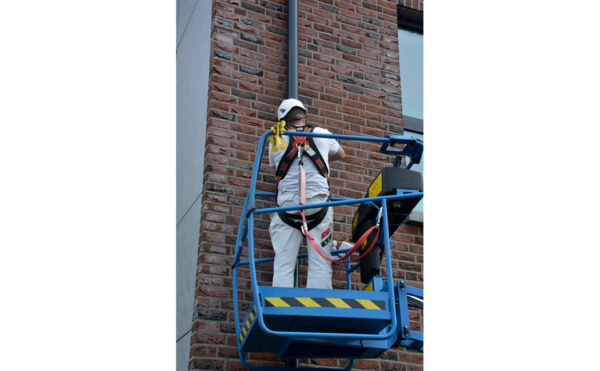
319 323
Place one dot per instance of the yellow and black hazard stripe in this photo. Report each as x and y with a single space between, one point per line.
247 324
325 303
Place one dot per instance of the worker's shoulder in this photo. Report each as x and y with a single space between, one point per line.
321 130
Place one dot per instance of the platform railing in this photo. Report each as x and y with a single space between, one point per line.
413 149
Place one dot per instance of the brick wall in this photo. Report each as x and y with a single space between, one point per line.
349 81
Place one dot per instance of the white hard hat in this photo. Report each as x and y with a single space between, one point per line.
287 105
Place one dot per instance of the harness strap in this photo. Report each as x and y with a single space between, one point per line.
310 149
312 220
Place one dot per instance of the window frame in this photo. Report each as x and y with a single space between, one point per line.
412 21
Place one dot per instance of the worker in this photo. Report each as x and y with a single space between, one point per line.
286 234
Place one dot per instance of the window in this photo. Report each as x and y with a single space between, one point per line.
410 45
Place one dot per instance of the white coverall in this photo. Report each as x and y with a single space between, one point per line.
286 240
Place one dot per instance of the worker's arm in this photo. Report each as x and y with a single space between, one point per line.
339 155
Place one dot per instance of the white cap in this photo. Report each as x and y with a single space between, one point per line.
287 105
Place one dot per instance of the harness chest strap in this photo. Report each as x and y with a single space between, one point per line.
311 150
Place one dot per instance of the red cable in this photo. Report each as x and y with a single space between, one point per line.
352 250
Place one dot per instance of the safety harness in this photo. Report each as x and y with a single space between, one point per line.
301 146
308 146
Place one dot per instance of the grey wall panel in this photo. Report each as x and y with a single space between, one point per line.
187 255
183 352
184 12
193 57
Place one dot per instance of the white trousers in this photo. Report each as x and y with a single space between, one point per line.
286 243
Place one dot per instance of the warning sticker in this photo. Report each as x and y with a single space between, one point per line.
375 188
326 237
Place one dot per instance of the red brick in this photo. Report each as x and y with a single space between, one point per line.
368 55
322 13
307 31
224 80
354 104
223 39
316 19
387 4
344 5
336 92
243 111
333 115
249 121
366 364
341 70
348 110
270 67
375 109
244 77
227 15
251 87
376 94
222 97
222 71
390 68
218 106
389 46
314 63
352 58
251 55
331 53
275 93
259 17
203 351
410 357
325 74
350 14
272 52
346 35
325 105
374 64
393 121
323 58
203 338
246 29
224 7
369 115
364 11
